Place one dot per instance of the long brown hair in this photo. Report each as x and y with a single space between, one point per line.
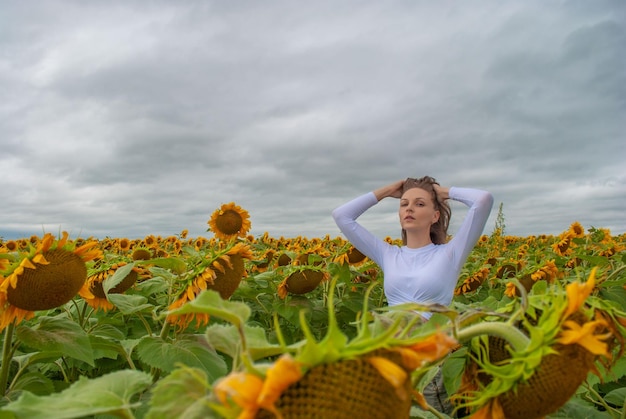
438 230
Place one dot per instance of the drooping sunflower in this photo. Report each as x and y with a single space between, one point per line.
473 281
336 377
230 270
229 221
301 280
565 338
46 277
93 291
349 254
221 271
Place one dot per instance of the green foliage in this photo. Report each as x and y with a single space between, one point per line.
112 394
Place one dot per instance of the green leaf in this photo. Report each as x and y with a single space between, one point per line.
152 286
182 394
6 415
34 382
210 302
105 348
226 339
189 350
58 334
174 264
614 294
616 397
110 393
112 281
107 331
37 357
290 309
130 304
578 409
593 260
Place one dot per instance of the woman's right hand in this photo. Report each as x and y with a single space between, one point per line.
393 190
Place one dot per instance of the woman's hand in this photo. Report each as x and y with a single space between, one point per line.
393 190
442 193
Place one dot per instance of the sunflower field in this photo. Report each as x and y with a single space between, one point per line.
235 326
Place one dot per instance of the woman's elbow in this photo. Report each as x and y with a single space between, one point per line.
487 199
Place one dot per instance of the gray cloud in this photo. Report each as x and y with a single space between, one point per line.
134 118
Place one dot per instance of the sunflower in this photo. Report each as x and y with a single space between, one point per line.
229 221
472 282
301 281
548 272
351 256
124 244
194 288
221 271
229 269
564 341
12 246
48 276
336 377
141 253
564 244
577 230
93 291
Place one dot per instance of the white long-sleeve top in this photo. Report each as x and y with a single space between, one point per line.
425 275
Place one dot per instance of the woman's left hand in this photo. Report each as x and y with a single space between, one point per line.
442 192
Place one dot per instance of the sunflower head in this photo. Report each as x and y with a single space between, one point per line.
48 276
124 244
566 336
229 221
96 280
301 281
221 270
141 253
50 282
355 256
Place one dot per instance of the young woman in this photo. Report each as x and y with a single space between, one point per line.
426 268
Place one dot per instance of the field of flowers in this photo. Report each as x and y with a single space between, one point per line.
235 326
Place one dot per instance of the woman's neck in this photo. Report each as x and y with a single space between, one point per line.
415 241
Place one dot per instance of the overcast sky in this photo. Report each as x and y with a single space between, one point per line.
130 118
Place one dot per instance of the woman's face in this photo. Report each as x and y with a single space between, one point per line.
417 210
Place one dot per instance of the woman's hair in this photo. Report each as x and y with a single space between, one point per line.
438 230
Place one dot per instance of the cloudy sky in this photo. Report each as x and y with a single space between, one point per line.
130 118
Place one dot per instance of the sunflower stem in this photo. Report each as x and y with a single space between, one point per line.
165 330
6 357
435 412
145 324
515 337
615 273
599 400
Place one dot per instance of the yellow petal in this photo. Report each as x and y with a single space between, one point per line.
40 259
282 290
584 336
279 376
240 387
46 242
26 263
12 279
391 372
577 293
492 410
434 347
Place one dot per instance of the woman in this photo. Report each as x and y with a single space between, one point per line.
425 269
